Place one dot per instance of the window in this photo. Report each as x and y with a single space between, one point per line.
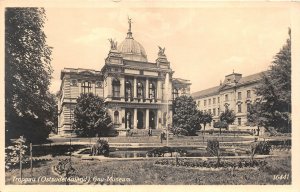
218 111
239 95
116 117
214 100
239 121
198 103
209 101
226 107
86 87
151 91
175 93
204 102
73 82
116 88
248 94
214 121
248 107
128 90
239 108
226 97
218 99
214 112
140 92
209 111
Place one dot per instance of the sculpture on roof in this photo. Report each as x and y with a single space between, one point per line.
129 22
113 44
161 51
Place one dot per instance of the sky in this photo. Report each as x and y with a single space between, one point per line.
203 43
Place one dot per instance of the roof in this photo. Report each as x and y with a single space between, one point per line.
214 90
206 92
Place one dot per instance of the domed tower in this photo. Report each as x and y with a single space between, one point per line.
130 49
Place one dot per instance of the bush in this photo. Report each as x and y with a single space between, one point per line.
179 131
261 148
213 147
161 151
220 124
101 147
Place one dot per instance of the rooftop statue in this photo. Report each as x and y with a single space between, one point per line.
113 44
161 51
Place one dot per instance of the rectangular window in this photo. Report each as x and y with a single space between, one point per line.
239 108
209 111
218 99
226 97
214 100
248 107
198 103
209 101
239 95
86 87
218 111
214 112
239 121
214 121
204 102
248 94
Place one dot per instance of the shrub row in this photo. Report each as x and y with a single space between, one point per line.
238 132
211 164
159 152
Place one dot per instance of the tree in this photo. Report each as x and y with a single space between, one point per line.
275 89
254 117
186 115
27 74
90 116
205 118
228 116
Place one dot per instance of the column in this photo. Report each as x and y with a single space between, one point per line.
158 90
122 87
147 118
134 87
147 89
135 119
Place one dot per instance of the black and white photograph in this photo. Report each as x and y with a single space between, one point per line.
140 93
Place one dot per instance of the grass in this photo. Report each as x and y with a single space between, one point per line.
144 172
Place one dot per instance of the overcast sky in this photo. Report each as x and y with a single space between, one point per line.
203 44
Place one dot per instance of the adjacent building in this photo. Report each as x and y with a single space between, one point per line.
234 93
137 93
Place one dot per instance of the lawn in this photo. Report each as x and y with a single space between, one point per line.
138 172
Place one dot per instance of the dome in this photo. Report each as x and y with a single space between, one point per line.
132 50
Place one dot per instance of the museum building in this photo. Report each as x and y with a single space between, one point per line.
138 93
234 93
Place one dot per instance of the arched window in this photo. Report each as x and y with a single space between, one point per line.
128 90
86 87
116 88
175 93
116 117
151 91
140 92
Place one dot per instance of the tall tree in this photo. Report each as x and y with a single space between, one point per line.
90 116
186 114
27 74
275 89
205 118
228 116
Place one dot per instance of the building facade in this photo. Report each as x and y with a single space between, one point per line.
138 94
234 93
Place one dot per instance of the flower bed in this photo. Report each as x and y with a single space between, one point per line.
191 163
